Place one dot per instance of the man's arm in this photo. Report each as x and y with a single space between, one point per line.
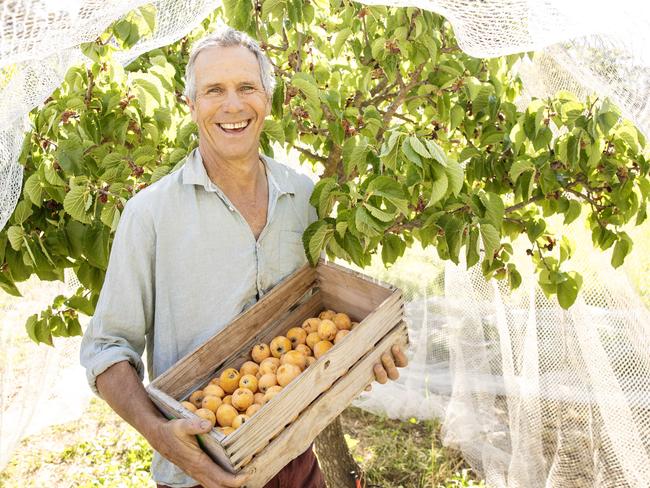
122 389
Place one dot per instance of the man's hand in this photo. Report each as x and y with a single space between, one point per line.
387 369
176 442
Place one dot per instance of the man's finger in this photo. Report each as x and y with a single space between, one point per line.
380 374
389 366
232 480
191 427
368 388
400 357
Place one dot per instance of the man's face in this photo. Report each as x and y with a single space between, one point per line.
230 104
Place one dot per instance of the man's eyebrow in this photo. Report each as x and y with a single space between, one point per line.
239 83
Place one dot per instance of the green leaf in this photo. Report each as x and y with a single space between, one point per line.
534 229
309 88
315 238
567 290
382 215
518 167
418 147
436 152
81 304
455 175
96 247
275 130
514 278
15 234
392 248
69 154
494 208
74 327
621 250
30 327
572 212
76 203
439 186
8 286
341 37
410 153
456 117
365 224
22 212
491 240
34 189
391 190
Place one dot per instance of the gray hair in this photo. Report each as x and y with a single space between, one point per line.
229 37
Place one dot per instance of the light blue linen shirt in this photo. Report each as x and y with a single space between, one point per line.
183 264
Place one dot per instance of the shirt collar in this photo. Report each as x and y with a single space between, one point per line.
194 173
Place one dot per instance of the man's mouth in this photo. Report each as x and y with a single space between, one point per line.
234 127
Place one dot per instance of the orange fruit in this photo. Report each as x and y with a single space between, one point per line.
266 381
226 414
259 398
242 398
248 381
327 330
327 314
310 360
196 398
189 405
287 372
227 400
279 345
297 335
260 352
294 357
211 402
229 380
249 367
239 420
311 325
226 430
340 335
342 321
215 390
312 339
206 414
271 392
269 365
303 348
353 325
214 381
253 409
321 348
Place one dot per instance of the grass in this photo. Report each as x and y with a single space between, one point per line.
100 450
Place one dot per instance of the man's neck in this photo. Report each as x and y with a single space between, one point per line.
241 176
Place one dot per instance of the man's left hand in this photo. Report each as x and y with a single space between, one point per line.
387 369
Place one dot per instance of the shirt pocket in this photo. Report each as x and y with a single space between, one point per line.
292 252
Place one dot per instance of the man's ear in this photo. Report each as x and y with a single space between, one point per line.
192 107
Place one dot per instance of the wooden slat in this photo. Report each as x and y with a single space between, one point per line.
211 441
329 266
273 417
297 437
197 367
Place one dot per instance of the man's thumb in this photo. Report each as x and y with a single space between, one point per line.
195 426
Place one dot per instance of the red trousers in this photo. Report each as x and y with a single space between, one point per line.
302 472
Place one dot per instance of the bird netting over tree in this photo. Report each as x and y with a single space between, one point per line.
533 395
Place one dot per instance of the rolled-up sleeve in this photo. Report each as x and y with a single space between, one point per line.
124 314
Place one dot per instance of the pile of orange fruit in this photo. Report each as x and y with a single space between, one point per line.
233 397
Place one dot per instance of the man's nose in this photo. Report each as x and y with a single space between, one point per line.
233 102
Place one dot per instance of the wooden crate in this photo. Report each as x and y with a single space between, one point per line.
285 426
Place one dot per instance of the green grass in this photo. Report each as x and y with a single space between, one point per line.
100 450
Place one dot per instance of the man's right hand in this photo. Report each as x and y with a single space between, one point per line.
176 441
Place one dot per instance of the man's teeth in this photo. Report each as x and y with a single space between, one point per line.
237 125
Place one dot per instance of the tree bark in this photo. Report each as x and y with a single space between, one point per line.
336 462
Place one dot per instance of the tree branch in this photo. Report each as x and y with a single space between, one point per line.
310 155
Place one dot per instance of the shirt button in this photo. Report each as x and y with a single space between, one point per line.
230 208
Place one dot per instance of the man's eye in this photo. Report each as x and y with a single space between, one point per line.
214 90
247 88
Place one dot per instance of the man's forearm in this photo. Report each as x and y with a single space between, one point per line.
122 389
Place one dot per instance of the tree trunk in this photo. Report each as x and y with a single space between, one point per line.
334 457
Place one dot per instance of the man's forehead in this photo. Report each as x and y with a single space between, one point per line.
227 62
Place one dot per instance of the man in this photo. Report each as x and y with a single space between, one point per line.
196 249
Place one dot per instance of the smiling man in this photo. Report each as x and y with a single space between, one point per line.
194 250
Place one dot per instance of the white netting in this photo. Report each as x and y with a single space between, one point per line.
532 395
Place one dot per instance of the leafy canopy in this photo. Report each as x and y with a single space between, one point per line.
416 141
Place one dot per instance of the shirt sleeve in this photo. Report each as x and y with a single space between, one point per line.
124 313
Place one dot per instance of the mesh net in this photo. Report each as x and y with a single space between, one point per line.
531 394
